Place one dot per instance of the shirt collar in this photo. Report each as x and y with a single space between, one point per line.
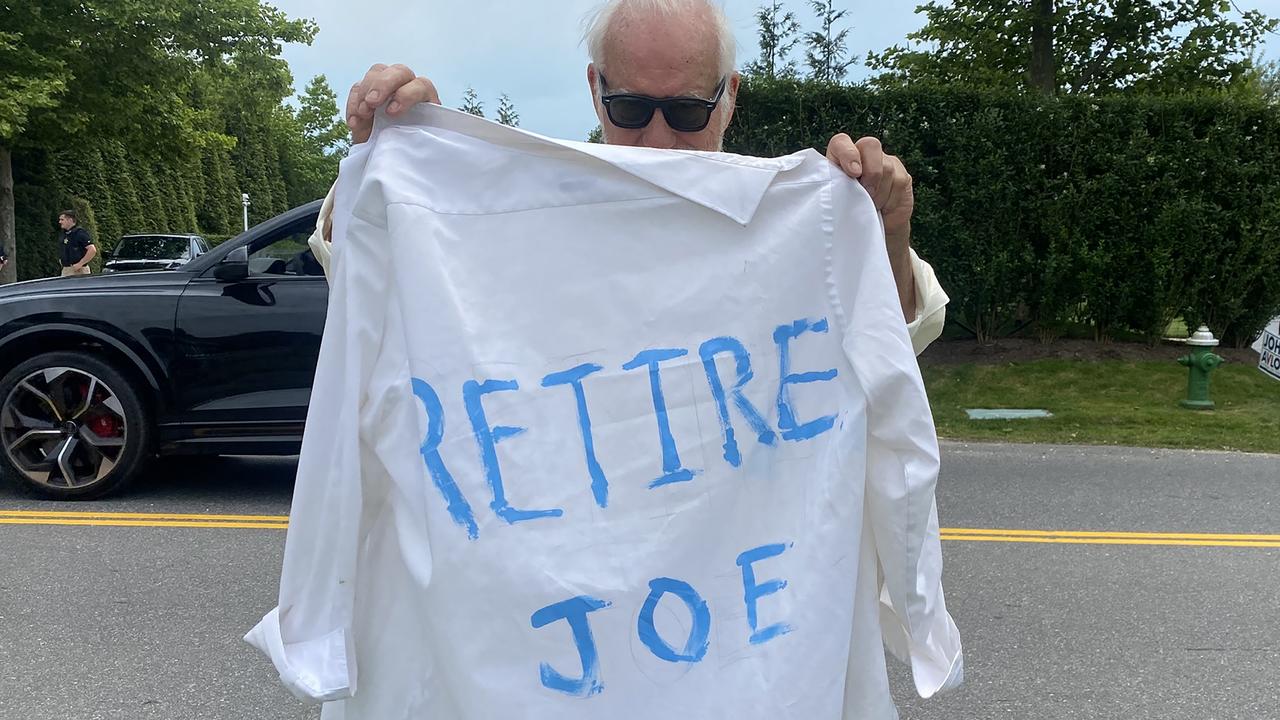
699 177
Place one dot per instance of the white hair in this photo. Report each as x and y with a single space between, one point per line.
596 25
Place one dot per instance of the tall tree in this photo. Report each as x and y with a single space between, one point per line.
30 81
8 229
471 103
1098 46
507 114
1266 81
318 115
1044 67
315 141
779 33
244 96
71 70
827 54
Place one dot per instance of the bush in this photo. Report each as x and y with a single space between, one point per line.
1119 212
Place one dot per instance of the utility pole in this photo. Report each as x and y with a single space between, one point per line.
244 200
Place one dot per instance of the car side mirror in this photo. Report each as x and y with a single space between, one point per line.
234 267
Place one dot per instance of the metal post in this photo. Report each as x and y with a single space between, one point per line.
244 200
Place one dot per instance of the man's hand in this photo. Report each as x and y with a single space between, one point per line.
395 86
887 181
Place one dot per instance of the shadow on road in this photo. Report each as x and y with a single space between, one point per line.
193 481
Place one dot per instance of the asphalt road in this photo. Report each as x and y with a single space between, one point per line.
145 622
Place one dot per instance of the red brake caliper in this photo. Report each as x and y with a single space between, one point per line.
105 426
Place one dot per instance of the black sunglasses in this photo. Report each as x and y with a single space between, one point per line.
683 114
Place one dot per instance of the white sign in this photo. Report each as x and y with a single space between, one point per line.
1268 346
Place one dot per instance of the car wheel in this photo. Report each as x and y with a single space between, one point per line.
71 426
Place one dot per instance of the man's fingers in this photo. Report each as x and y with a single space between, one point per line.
379 86
844 153
890 194
359 116
361 127
358 91
888 181
418 90
872 164
353 101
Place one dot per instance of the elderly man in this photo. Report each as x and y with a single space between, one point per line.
662 76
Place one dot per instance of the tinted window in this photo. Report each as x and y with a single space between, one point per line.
286 254
152 247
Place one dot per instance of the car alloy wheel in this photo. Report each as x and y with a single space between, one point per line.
63 428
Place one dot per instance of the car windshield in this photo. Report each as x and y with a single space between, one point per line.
152 247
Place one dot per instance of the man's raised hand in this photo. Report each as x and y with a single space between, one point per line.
395 86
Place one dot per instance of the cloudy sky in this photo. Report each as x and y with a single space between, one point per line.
530 49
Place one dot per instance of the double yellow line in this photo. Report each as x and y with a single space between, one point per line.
281 522
119 519
1083 537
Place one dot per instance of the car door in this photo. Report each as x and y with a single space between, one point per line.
246 350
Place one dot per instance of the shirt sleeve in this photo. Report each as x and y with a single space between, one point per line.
901 450
931 306
320 247
308 636
83 241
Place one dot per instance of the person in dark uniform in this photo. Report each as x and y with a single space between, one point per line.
76 245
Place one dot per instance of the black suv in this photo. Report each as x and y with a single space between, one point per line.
100 374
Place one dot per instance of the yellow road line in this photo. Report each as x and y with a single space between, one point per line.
1109 541
144 523
1107 534
139 516
125 519
281 522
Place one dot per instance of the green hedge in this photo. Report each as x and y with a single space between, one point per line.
118 190
1041 214
114 192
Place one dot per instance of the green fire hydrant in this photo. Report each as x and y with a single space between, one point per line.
1201 362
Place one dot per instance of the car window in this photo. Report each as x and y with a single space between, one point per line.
288 254
152 247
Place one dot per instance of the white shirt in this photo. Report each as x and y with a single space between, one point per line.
931 299
639 433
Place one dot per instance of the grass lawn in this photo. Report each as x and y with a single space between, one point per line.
1107 403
